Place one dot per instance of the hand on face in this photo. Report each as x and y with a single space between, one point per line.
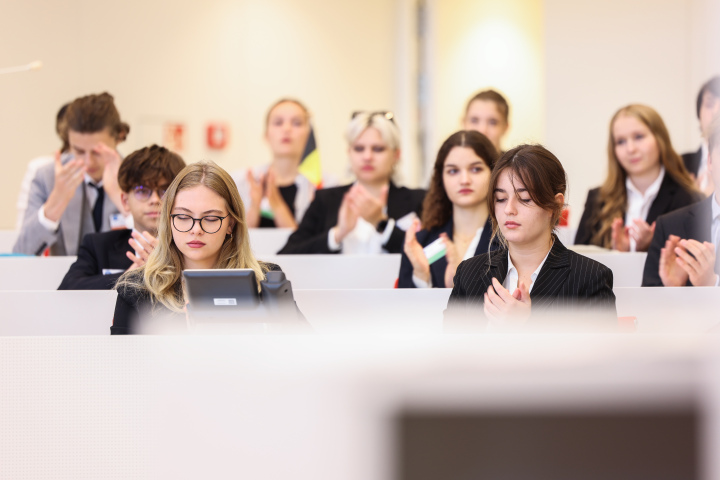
67 177
143 245
670 271
697 260
415 253
506 310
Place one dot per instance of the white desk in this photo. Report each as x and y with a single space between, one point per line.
33 273
268 241
406 310
670 310
29 313
338 271
627 267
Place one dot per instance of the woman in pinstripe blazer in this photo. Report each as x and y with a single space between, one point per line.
533 272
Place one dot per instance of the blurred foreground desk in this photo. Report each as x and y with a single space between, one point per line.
51 312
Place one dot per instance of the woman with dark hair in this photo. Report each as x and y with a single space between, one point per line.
488 112
455 213
533 271
646 179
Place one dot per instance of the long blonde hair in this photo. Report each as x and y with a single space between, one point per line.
161 276
613 196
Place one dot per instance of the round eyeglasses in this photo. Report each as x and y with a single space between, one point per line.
185 223
144 193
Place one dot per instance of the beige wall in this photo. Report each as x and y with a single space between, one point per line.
475 44
565 66
193 62
603 55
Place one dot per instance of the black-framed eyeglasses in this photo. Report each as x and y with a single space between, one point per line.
209 224
143 193
388 115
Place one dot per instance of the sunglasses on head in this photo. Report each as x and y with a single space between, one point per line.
388 115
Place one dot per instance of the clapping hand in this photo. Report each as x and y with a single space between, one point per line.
505 310
416 254
143 245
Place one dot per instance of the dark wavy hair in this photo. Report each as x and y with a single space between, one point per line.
539 171
437 207
149 167
95 113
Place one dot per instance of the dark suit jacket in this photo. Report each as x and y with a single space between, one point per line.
693 221
99 251
311 235
567 283
671 196
437 269
692 161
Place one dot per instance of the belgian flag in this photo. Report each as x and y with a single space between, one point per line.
310 163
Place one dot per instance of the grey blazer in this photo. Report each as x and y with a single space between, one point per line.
75 222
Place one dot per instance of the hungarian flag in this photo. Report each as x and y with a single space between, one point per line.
310 163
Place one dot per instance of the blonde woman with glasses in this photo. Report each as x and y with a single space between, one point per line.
371 214
202 225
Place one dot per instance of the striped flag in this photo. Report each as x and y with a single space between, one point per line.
310 163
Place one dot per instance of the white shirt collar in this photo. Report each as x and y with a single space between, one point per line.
652 190
715 206
511 280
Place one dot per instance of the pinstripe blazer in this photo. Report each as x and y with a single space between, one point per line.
567 283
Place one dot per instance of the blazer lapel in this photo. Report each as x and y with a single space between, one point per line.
698 221
665 196
498 266
552 275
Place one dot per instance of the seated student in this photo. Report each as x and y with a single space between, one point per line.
681 252
707 106
78 193
277 195
201 225
455 210
370 215
143 177
488 113
35 165
533 272
646 179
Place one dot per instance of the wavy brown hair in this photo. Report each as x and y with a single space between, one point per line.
437 207
161 276
94 113
612 199
540 172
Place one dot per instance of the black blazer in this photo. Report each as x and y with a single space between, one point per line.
311 235
567 282
671 196
437 269
694 221
692 161
99 251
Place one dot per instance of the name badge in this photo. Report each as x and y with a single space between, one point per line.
117 221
